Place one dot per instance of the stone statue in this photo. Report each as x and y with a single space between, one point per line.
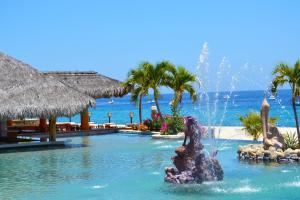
271 135
187 134
191 164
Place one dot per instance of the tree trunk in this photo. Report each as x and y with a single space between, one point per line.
296 118
140 109
157 106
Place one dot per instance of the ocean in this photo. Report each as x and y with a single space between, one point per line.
220 110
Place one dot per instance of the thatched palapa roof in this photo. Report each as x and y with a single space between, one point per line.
90 83
25 92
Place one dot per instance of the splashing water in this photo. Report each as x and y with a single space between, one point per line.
192 166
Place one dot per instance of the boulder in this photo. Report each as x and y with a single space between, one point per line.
267 153
191 163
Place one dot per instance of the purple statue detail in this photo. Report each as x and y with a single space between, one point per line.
191 164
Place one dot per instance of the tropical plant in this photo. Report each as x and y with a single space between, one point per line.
176 125
253 124
290 140
180 80
148 123
156 75
291 75
157 122
138 85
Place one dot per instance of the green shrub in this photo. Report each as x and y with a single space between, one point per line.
253 124
290 140
172 126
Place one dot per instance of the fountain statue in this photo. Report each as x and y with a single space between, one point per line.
191 164
273 148
271 135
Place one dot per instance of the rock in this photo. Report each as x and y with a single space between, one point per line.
191 163
289 150
286 154
280 154
279 150
260 153
297 151
179 162
294 157
272 148
267 153
170 170
252 153
181 151
273 155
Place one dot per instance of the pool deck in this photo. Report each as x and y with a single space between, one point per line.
33 145
220 132
72 133
35 137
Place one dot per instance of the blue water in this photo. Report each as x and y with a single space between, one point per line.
240 103
120 166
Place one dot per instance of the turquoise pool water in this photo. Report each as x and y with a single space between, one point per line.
129 166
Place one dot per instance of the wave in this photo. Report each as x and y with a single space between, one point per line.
242 189
99 186
293 184
165 147
158 142
155 173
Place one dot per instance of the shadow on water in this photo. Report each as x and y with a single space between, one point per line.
39 148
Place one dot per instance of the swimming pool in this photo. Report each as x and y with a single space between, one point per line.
127 166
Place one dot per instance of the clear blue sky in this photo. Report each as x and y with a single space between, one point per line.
113 36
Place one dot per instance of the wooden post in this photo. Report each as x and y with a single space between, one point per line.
3 128
43 125
52 129
9 122
84 116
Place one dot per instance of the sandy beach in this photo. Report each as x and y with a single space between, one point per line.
227 133
237 132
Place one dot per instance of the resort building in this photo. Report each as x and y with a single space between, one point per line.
90 83
26 93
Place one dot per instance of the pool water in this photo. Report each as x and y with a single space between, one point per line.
127 166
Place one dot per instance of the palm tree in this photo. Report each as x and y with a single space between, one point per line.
138 85
180 80
157 76
291 75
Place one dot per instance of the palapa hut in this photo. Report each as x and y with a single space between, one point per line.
25 92
92 84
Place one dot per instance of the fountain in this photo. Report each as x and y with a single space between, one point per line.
192 166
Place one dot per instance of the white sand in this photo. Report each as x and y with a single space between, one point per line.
237 132
226 132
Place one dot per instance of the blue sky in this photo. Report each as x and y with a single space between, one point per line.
111 37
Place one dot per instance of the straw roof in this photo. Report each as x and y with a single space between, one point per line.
25 92
90 83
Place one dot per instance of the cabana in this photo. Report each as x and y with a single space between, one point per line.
25 92
92 84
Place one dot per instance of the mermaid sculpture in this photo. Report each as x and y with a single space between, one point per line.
191 164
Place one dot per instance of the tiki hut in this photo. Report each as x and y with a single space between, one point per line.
25 92
92 84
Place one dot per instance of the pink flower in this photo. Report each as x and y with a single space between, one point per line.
164 127
157 116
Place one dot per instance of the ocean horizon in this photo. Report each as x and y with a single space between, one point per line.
223 109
